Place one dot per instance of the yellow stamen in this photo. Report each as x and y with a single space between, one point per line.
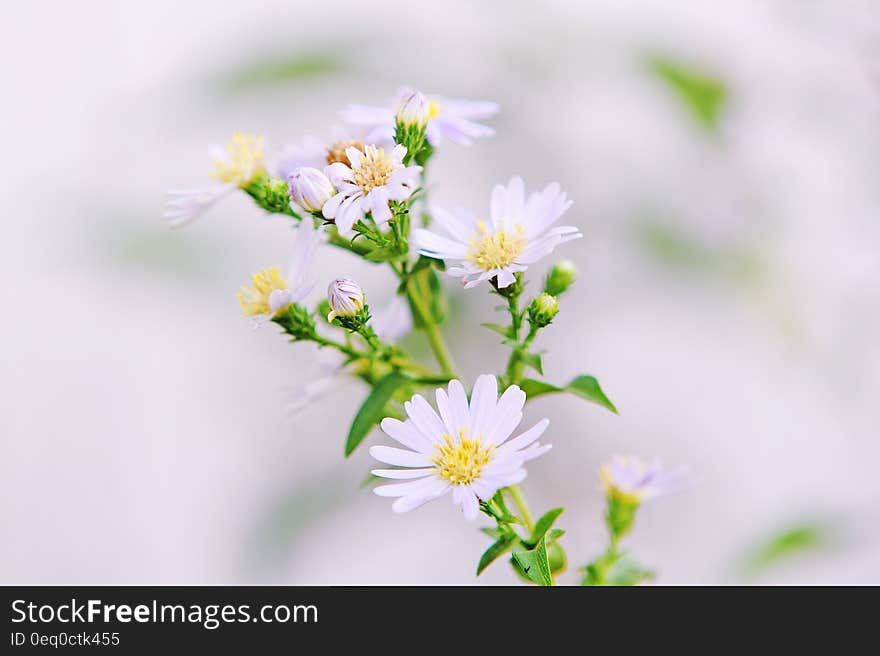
433 109
245 160
374 170
255 300
461 461
496 250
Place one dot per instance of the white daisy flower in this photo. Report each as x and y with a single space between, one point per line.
464 450
447 118
372 179
636 480
235 166
270 291
319 152
391 322
518 234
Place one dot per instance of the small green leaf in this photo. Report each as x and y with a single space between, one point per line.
793 541
493 533
534 388
704 95
544 524
504 331
555 534
496 549
534 564
372 410
586 387
533 360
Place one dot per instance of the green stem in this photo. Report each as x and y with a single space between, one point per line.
519 500
432 332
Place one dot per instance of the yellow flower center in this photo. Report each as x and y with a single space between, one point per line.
336 151
433 109
254 300
245 160
374 170
461 461
495 250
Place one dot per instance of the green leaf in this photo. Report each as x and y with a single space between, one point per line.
496 549
544 524
533 360
534 388
504 331
534 564
282 70
493 533
555 534
705 96
627 572
373 409
586 387
790 542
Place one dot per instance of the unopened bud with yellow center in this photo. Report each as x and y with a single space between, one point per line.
309 188
542 310
242 162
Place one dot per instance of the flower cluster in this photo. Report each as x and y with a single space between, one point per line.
362 190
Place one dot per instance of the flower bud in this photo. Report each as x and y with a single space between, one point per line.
560 278
347 304
309 188
414 110
542 310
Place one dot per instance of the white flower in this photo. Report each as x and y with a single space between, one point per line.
518 234
270 291
236 166
414 109
464 450
319 152
373 179
447 118
345 297
184 206
631 478
243 160
390 322
309 188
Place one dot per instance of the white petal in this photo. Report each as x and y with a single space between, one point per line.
424 418
406 434
483 401
524 439
469 505
399 457
458 404
403 474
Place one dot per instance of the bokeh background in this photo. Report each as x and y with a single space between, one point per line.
724 160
